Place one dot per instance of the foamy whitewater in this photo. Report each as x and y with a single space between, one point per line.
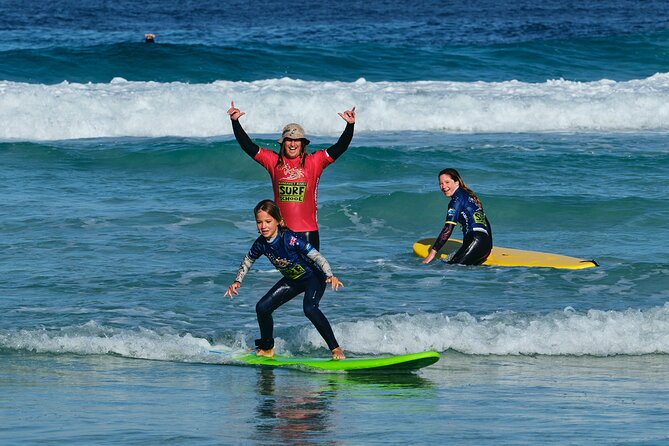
127 208
152 109
597 333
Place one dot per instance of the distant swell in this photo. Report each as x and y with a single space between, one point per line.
152 109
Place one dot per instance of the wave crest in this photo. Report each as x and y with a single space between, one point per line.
153 109
567 332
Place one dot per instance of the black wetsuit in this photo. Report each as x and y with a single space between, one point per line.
304 270
476 229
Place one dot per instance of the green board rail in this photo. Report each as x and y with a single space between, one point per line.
396 363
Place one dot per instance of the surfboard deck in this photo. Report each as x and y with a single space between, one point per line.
508 256
395 363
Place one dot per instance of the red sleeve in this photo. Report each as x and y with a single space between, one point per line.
266 158
321 160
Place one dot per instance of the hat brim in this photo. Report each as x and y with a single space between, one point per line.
305 141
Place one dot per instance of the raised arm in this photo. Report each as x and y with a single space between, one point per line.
242 138
345 139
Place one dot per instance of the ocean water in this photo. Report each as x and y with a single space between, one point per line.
127 207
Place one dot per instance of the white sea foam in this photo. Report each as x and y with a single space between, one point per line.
94 339
568 332
595 332
152 109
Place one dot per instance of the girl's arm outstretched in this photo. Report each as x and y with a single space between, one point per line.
323 264
244 268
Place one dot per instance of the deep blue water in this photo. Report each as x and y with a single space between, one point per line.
127 209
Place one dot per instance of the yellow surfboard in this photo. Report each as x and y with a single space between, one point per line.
508 257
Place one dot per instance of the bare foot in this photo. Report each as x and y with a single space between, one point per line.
267 353
338 354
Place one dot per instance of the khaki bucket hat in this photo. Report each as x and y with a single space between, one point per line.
293 131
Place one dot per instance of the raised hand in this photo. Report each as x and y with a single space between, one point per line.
348 115
235 113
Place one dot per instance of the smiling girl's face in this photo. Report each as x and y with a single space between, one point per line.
267 225
447 185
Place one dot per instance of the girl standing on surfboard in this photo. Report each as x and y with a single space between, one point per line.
464 208
295 173
304 270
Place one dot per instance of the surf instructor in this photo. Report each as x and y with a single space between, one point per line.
294 172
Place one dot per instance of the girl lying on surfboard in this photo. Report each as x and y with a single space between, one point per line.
304 270
464 208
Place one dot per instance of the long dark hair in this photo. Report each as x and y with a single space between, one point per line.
455 176
272 209
303 155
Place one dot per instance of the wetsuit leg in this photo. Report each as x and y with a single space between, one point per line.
283 291
314 289
475 248
313 239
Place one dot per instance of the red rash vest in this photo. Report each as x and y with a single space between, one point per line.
296 187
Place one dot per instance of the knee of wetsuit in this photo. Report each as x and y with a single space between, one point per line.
265 344
310 310
262 309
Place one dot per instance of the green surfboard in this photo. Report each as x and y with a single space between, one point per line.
396 363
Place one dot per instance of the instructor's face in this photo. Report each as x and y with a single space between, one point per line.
447 185
292 148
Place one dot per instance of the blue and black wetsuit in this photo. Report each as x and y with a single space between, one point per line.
476 230
304 270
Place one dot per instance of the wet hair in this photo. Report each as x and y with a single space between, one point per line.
455 176
303 154
272 209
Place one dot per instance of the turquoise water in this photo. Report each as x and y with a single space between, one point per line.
127 209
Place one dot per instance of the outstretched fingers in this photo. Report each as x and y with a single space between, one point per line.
336 283
232 289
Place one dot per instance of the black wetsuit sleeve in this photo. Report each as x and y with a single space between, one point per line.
243 139
342 144
443 237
